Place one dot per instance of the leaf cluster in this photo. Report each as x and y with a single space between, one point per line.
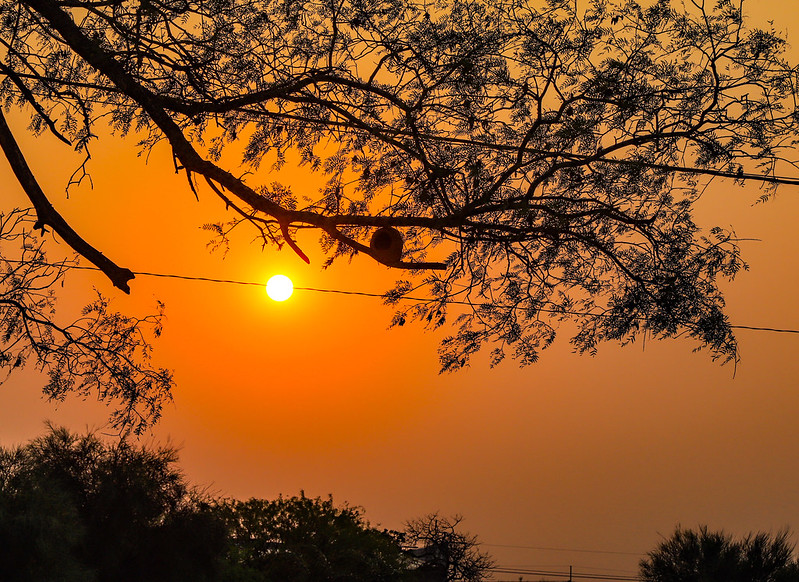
82 508
102 353
704 555
77 508
552 153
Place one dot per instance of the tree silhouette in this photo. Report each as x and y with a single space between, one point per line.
705 556
76 508
538 164
101 353
445 553
304 539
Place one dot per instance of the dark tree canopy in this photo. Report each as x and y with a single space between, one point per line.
307 539
73 507
540 161
80 508
714 556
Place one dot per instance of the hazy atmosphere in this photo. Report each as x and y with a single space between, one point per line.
576 460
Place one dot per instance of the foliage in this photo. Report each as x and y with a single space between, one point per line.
445 552
40 535
304 539
706 556
102 353
79 508
75 508
541 163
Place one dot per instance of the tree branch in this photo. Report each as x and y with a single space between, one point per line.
47 215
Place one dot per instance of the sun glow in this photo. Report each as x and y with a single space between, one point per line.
279 288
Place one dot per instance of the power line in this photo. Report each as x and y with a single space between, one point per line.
621 576
486 145
367 294
566 575
771 329
548 549
482 144
420 300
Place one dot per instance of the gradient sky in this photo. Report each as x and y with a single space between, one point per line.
575 453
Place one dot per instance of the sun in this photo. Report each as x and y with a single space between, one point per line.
279 288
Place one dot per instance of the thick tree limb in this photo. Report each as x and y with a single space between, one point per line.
550 170
47 215
90 50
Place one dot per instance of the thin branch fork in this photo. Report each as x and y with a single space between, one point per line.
183 150
47 215
191 160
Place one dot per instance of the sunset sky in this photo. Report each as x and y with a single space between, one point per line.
575 461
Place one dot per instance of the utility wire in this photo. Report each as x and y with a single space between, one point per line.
366 294
486 145
566 575
548 549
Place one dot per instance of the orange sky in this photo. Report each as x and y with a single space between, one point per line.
579 453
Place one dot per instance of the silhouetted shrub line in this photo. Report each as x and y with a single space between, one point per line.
75 508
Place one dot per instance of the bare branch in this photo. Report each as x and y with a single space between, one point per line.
48 216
